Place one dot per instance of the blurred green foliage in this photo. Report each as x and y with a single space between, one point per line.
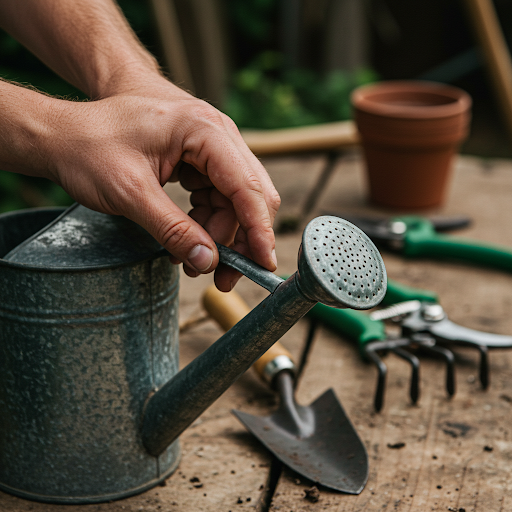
263 93
252 18
253 27
266 95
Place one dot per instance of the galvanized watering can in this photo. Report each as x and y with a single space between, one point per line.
91 398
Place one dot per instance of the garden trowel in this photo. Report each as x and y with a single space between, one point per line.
317 441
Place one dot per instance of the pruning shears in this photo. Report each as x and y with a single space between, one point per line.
415 236
422 321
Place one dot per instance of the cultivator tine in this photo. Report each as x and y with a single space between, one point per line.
484 365
382 370
393 345
415 371
449 359
425 328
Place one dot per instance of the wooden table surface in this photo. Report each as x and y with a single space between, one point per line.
455 454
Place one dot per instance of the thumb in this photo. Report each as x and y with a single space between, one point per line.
182 236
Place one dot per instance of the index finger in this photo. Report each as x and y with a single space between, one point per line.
240 181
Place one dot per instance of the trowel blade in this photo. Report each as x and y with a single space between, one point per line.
333 455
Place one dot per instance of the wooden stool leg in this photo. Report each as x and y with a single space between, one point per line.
291 224
316 191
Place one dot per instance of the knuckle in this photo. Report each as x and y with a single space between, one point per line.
230 124
254 184
274 200
173 233
267 232
201 123
259 235
205 112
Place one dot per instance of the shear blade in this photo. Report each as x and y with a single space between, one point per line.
448 331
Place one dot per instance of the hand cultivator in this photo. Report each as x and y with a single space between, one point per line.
424 326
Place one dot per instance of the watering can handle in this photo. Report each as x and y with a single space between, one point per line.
248 268
173 407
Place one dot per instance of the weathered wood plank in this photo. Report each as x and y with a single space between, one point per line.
457 453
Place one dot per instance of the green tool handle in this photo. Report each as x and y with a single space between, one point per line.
397 292
447 247
355 325
358 326
421 240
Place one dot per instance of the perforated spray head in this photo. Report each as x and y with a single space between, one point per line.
340 266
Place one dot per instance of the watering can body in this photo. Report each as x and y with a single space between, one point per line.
81 349
91 399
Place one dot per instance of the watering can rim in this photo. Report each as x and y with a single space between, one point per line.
60 211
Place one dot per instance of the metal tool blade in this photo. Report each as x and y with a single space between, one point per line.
447 331
324 447
378 229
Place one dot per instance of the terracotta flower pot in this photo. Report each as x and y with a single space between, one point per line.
410 132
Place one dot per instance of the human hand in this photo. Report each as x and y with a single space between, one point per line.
115 154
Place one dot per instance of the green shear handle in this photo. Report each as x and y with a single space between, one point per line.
421 239
357 326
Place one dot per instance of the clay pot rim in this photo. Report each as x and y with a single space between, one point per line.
366 99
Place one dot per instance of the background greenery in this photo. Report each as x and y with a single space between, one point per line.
262 93
266 95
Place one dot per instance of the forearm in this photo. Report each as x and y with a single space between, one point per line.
88 43
25 128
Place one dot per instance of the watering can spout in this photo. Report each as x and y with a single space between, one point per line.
338 266
180 401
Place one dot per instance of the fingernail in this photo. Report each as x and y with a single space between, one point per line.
201 258
274 257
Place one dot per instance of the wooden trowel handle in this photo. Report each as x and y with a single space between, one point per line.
227 309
